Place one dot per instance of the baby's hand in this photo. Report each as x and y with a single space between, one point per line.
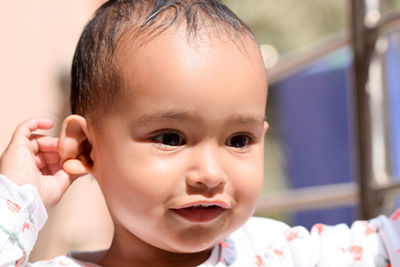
33 159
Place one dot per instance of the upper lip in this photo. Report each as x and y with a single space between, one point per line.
204 203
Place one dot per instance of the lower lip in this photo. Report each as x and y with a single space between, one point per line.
200 214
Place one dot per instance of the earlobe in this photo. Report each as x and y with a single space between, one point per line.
74 147
266 126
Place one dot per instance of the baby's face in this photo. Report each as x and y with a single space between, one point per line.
180 158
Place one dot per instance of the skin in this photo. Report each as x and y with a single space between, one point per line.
205 93
208 96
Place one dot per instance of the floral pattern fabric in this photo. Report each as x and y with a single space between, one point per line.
260 242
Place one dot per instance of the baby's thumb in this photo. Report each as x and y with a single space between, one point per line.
75 168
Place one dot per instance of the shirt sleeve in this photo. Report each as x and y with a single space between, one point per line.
374 243
22 215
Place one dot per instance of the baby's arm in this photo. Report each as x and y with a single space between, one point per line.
22 215
31 173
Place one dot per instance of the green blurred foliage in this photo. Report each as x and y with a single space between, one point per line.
394 4
291 25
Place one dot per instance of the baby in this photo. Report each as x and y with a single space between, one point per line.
169 100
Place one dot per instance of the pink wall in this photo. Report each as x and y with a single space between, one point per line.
38 41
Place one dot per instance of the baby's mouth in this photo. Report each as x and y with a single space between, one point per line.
200 213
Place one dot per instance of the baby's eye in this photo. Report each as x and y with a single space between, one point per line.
169 139
239 141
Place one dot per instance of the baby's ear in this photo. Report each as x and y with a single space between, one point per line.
266 126
74 147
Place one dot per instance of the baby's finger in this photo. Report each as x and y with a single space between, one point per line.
40 161
25 128
44 143
43 159
52 158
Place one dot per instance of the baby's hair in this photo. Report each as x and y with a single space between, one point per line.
95 73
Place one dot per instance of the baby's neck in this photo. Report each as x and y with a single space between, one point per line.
128 253
184 260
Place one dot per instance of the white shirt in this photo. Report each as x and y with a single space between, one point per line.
260 242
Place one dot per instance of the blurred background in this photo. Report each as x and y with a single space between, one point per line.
312 154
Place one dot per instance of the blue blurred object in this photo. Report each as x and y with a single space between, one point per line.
312 117
393 79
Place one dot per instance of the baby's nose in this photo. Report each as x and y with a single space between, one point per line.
207 171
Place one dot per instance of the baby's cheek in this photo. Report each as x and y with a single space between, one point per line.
248 187
156 176
249 176
248 194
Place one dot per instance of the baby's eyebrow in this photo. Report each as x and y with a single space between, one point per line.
190 116
173 115
243 119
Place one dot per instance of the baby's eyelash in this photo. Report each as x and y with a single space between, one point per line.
172 140
240 140
168 140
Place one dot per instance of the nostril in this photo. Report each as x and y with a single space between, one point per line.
200 184
208 182
204 186
206 172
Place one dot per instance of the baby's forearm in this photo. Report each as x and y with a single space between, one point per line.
22 215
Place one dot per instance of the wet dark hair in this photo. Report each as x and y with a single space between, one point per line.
95 74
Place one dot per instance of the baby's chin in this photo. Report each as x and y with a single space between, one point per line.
198 243
193 248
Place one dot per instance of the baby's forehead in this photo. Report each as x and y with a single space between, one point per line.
134 44
173 52
169 61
